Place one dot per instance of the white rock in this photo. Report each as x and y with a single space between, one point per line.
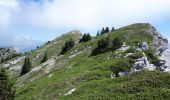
74 55
50 75
70 92
143 45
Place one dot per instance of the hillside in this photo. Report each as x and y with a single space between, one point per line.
78 74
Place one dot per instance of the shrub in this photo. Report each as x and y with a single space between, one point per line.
121 66
151 56
136 55
102 46
116 43
130 50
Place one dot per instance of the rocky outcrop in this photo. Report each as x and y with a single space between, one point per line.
7 54
165 62
143 63
140 63
143 46
159 43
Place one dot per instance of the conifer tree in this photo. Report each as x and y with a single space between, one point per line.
112 29
85 38
44 58
98 33
26 66
68 45
7 91
102 31
88 37
107 30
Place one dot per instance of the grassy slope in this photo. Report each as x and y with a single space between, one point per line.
90 75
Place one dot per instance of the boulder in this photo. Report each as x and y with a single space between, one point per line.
143 45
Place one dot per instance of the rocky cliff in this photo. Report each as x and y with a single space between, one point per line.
159 42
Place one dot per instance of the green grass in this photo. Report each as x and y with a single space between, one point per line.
142 85
91 75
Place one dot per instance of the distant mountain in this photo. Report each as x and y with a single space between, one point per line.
120 64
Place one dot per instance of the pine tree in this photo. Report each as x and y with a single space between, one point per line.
98 33
88 37
102 31
85 38
26 66
112 29
107 30
68 45
7 91
44 58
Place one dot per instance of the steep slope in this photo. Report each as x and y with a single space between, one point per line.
79 75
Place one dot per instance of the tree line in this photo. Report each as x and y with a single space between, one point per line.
105 30
106 44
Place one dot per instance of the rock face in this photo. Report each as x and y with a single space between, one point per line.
142 63
159 43
7 53
165 63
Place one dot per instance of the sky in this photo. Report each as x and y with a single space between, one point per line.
24 24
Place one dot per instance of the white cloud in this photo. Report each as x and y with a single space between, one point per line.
23 42
85 14
7 9
20 42
88 15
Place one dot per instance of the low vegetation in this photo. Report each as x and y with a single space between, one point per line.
7 91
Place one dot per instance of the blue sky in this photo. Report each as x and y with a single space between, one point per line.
24 24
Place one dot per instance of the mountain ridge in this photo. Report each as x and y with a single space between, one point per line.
79 75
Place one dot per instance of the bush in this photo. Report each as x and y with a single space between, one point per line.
121 66
130 50
116 43
102 46
151 56
136 55
68 46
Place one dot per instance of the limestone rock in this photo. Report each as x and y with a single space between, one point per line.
143 46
